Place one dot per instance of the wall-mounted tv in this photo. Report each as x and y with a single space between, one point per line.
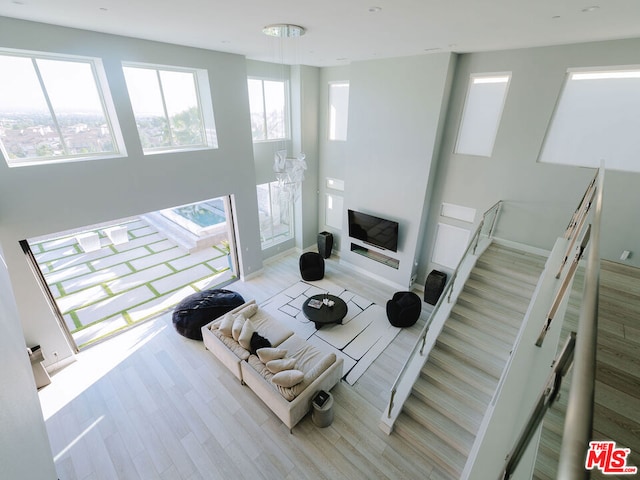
373 230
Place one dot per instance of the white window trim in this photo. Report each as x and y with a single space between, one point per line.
471 82
609 72
331 83
104 94
205 107
287 109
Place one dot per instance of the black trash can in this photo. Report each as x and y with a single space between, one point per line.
434 286
325 244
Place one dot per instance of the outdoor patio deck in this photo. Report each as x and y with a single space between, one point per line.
119 286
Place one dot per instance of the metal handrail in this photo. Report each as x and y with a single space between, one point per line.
422 338
572 222
564 288
547 398
579 424
577 220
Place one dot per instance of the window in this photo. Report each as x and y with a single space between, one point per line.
338 110
55 108
482 112
596 118
268 106
172 107
275 210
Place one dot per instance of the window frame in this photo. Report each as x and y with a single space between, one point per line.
264 245
204 105
286 109
614 161
104 96
346 121
463 117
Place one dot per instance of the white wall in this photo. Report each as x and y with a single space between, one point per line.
333 154
39 200
540 198
396 107
24 445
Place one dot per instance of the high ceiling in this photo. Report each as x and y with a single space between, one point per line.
341 31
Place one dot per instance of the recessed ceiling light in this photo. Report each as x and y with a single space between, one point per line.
374 9
555 17
284 30
592 8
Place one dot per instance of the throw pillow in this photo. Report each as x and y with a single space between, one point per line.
282 364
258 342
249 311
244 339
237 326
226 324
288 378
267 354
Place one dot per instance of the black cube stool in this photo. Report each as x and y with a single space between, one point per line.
311 266
403 310
198 309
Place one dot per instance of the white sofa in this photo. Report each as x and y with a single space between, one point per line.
321 370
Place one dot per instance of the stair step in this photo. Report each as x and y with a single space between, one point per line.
430 445
489 308
524 273
447 429
515 255
490 362
457 411
483 339
465 371
517 303
483 323
505 281
456 387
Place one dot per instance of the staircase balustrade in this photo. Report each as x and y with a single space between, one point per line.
550 296
490 217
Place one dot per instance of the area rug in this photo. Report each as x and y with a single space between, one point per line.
365 331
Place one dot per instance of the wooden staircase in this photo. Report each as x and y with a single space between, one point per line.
617 393
442 415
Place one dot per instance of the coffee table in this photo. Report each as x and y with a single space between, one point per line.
325 315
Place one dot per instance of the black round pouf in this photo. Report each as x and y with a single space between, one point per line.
196 310
403 310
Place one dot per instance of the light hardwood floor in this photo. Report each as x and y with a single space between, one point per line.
151 404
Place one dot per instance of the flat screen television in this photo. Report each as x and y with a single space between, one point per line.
375 231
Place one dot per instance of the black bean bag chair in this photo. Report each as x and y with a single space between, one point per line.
311 266
403 310
196 310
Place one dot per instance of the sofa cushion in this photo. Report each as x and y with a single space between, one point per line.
309 360
267 354
237 326
270 328
244 339
226 324
306 355
232 345
288 378
281 364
